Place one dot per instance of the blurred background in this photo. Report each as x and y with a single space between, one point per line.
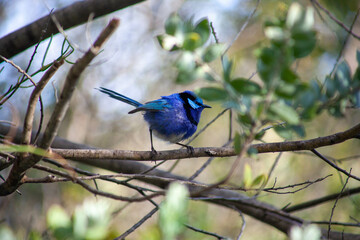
132 63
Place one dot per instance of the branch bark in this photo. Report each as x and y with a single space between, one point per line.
261 211
78 154
22 164
68 17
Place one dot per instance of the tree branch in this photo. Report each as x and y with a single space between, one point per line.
231 199
19 167
209 151
68 17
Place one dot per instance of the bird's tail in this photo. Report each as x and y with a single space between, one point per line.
119 96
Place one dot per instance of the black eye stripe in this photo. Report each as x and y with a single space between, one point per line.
184 96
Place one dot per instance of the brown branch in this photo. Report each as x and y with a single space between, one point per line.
341 24
315 202
73 15
29 116
209 151
230 199
19 167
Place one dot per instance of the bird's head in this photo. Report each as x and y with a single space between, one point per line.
193 105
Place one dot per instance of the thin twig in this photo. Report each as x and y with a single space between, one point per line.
341 24
206 232
243 27
334 165
337 199
138 224
20 70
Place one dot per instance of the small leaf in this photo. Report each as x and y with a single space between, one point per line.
259 180
173 24
245 86
284 112
289 75
213 52
203 29
169 43
227 68
275 34
330 87
283 132
186 62
185 77
247 179
304 43
173 211
252 152
238 141
343 78
192 41
212 94
358 56
286 91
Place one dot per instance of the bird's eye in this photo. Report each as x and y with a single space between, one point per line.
193 104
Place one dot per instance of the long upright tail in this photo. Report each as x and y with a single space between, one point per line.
119 96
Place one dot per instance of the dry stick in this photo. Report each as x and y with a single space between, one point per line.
315 202
205 232
20 70
341 24
334 165
19 168
29 116
309 144
343 45
138 224
333 208
338 223
78 180
69 16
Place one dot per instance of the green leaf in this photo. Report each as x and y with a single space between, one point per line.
227 68
245 86
342 78
259 180
213 52
288 75
252 152
283 132
247 179
169 43
203 29
266 64
284 112
173 24
286 91
173 211
299 18
358 57
246 119
304 43
212 94
186 62
186 77
275 34
330 87
192 41
238 141
24 149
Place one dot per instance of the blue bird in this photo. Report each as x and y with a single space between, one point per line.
172 118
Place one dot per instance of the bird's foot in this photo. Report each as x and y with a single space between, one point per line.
153 154
190 149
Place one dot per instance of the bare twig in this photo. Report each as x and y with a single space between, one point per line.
337 199
205 232
210 151
29 116
20 70
19 168
315 202
341 24
138 224
334 166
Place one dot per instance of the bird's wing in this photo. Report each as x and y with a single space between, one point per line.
156 105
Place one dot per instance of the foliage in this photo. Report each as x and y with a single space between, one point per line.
281 96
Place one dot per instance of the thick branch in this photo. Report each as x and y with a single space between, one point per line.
211 151
19 168
227 198
68 17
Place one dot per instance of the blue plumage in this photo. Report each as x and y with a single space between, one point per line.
172 118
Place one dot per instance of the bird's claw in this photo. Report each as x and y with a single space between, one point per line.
153 154
190 149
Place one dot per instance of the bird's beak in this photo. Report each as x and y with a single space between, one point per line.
206 106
